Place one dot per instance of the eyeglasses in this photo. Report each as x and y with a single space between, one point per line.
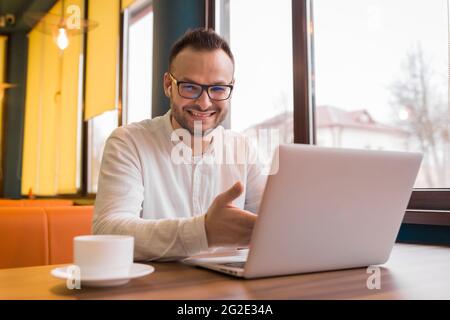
216 92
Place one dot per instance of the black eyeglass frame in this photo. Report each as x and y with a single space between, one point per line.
204 87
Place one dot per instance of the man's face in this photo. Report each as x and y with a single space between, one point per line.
199 67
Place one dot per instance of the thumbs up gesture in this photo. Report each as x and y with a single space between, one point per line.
227 225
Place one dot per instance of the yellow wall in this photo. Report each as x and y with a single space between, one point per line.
3 43
102 57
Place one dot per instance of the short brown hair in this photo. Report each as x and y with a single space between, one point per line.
200 39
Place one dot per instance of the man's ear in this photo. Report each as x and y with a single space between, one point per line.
167 85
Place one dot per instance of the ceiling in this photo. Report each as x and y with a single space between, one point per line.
18 8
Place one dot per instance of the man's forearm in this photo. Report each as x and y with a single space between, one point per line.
164 239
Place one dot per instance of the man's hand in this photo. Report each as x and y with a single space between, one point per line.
227 225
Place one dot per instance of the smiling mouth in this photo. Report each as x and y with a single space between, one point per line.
201 115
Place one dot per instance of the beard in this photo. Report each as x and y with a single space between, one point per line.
185 119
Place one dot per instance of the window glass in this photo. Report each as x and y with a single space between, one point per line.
381 79
139 61
262 100
99 129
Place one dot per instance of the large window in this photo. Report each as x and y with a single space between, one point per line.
367 74
260 36
138 46
99 129
381 79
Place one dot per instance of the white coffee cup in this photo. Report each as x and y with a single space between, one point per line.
103 256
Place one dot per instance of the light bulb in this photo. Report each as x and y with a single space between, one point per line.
62 41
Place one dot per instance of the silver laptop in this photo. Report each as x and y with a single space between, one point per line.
325 209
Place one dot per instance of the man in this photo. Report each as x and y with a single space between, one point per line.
176 209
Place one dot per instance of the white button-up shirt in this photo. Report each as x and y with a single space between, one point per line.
143 192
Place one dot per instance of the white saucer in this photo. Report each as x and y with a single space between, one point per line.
137 270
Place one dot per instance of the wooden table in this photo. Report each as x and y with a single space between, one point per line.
412 272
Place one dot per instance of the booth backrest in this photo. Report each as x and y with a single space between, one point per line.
63 225
39 236
47 203
11 203
23 237
35 202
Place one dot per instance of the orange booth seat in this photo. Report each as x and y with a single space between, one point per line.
35 202
31 236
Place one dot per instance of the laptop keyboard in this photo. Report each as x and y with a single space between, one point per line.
234 264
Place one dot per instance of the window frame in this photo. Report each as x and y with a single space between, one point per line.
426 206
129 16
422 201
87 134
